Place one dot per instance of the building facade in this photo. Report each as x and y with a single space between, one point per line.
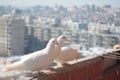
11 36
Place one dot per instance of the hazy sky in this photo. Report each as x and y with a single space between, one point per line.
25 3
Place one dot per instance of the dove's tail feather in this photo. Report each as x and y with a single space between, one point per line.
14 66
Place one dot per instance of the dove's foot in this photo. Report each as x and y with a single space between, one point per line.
52 69
39 73
76 59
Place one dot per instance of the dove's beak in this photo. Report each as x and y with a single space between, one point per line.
57 43
66 39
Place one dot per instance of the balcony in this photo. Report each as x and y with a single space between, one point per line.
88 68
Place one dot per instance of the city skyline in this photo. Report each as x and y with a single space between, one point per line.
67 3
28 30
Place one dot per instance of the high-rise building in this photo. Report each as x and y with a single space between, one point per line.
11 36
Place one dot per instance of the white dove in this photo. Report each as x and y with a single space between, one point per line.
36 61
60 40
67 54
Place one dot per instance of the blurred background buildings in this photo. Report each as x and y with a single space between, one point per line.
26 30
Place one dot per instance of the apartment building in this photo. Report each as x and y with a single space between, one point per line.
11 36
39 35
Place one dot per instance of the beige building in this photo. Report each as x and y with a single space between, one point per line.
11 36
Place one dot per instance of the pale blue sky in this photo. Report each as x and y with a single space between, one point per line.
24 3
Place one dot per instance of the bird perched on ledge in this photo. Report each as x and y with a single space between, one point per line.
67 54
61 39
37 60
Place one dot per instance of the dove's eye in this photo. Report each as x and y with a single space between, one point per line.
64 37
53 41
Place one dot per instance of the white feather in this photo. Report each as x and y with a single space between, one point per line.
60 40
36 61
67 54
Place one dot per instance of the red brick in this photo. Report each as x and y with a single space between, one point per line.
53 78
113 75
95 70
99 78
64 76
61 76
104 78
79 74
118 72
98 67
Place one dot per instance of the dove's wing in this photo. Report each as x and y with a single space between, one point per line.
67 54
36 52
35 61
